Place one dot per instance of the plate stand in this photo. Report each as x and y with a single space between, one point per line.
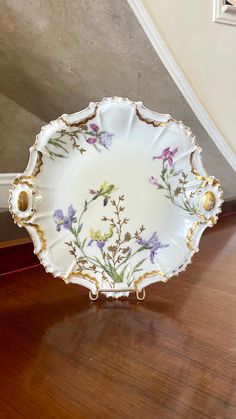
140 295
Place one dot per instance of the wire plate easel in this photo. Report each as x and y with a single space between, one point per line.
140 295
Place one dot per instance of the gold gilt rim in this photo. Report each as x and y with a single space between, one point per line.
22 181
152 122
191 233
82 121
88 277
41 236
149 274
38 164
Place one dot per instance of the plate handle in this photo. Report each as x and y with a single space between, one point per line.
211 199
21 199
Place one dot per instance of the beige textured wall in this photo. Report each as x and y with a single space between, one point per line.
18 130
56 56
206 53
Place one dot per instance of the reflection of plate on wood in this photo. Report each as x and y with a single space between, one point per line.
115 197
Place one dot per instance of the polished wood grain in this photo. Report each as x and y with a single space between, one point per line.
15 242
172 356
17 256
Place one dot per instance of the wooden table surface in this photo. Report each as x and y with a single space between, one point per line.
172 356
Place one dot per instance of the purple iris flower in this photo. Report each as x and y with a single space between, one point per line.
100 243
167 154
153 244
63 220
59 217
94 127
105 139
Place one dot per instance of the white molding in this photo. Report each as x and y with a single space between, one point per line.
223 13
6 180
181 81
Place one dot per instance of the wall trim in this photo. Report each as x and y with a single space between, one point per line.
6 180
181 81
223 13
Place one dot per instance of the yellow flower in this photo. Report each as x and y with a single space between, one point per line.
108 235
106 188
98 236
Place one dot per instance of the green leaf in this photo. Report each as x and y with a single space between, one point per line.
83 243
139 264
59 140
123 271
111 271
57 145
59 155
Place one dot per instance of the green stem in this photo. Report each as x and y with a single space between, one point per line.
133 254
187 207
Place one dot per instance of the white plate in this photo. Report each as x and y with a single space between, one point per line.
115 197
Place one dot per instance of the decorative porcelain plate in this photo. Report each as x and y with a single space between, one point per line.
115 197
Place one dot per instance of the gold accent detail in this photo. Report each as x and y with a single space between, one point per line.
20 220
191 233
38 164
209 222
10 202
22 181
206 179
23 201
148 275
195 172
209 201
152 121
41 235
82 121
90 278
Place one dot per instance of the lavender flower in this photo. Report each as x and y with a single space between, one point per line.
153 244
155 182
167 154
94 127
93 192
63 220
105 139
91 140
